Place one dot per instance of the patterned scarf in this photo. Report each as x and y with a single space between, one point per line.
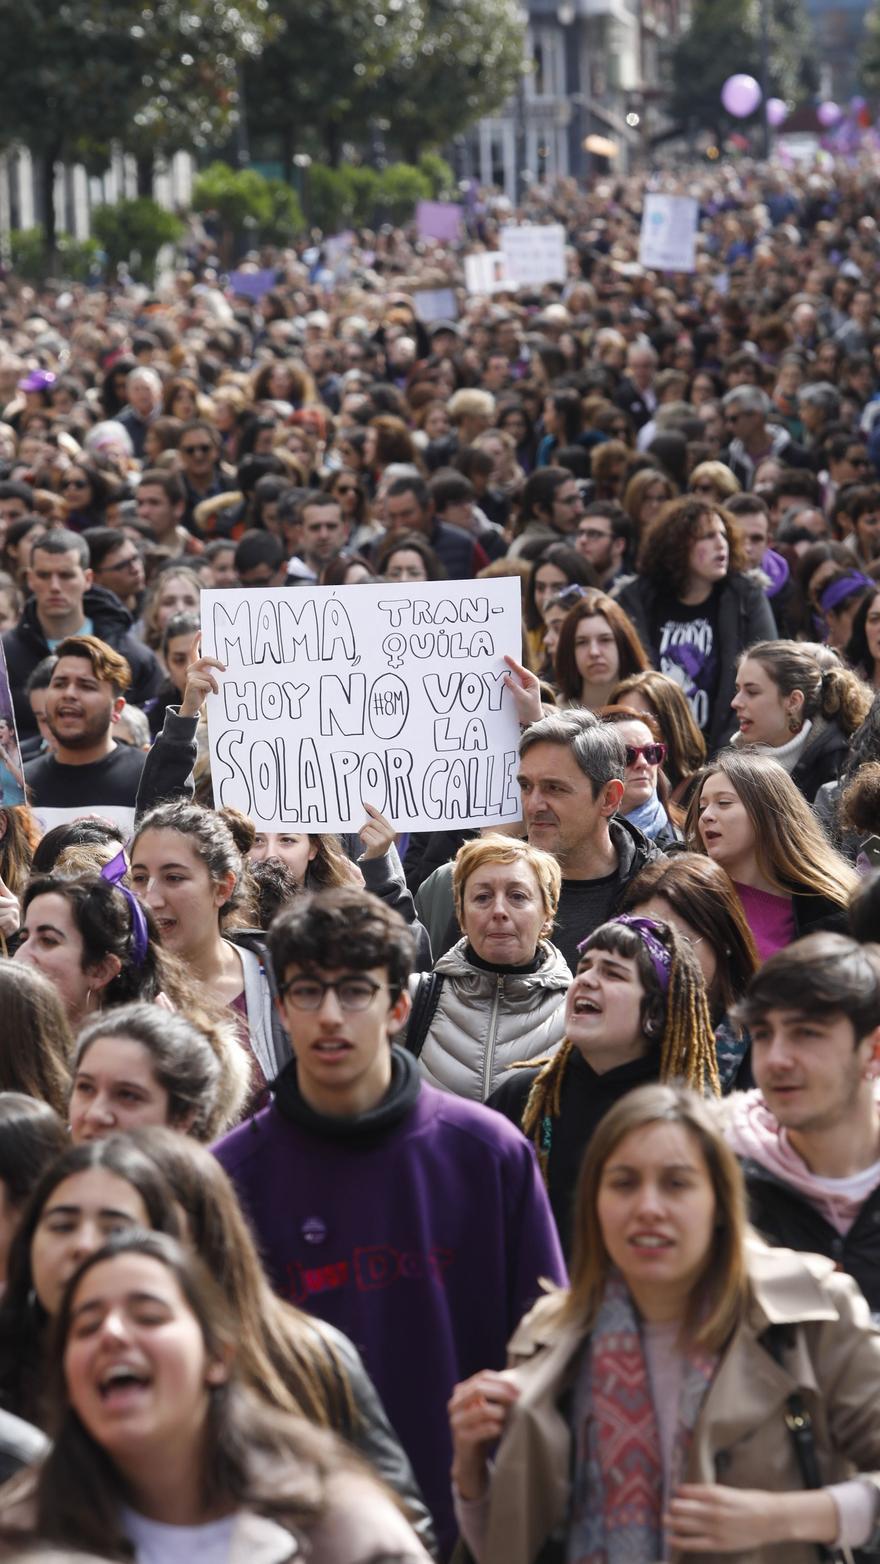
617 1496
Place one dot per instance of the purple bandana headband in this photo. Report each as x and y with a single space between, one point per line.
846 586
647 930
113 872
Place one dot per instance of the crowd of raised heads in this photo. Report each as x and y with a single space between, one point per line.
512 1193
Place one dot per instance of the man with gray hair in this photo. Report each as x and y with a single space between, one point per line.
819 407
636 394
144 391
753 440
571 775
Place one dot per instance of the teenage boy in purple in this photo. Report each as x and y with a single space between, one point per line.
414 1221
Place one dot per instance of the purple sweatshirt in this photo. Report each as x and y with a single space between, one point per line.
423 1234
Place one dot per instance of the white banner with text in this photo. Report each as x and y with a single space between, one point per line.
391 695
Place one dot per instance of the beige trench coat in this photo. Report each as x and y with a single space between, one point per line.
741 1438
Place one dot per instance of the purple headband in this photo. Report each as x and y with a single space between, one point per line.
113 872
846 586
646 929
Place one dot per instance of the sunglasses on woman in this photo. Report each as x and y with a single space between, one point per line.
654 754
570 595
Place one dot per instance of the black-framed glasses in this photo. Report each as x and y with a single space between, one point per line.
353 993
195 450
593 534
654 754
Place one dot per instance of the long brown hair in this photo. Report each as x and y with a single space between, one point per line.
630 652
791 849
252 1456
17 846
35 1040
282 1353
685 745
719 1300
637 487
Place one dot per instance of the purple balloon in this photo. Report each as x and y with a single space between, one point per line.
828 113
777 111
740 96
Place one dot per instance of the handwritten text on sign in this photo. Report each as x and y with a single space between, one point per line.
391 695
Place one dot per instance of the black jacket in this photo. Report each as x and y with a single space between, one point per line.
786 1218
744 617
812 913
26 645
460 554
585 1097
823 759
630 399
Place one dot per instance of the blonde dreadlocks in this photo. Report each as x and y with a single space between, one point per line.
687 1042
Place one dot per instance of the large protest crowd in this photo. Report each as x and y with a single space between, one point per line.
508 1191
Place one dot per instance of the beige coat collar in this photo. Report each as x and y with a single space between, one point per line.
531 1488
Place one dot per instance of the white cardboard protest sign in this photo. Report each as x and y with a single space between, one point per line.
485 272
392 695
534 254
668 240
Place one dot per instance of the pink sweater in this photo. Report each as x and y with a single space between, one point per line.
770 918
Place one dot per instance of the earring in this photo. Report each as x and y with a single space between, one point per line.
794 724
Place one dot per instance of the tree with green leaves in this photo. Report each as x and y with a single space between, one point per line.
408 73
724 38
463 61
313 87
244 203
79 75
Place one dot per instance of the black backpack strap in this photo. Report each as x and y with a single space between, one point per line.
424 1006
800 1427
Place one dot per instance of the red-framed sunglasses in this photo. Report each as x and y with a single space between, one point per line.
655 754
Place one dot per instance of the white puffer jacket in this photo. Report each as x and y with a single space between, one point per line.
486 1021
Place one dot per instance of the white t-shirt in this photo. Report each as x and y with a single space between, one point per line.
157 1543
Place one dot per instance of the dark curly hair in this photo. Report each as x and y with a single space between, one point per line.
346 927
102 916
859 808
665 552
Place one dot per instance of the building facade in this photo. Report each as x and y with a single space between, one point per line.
592 93
77 193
